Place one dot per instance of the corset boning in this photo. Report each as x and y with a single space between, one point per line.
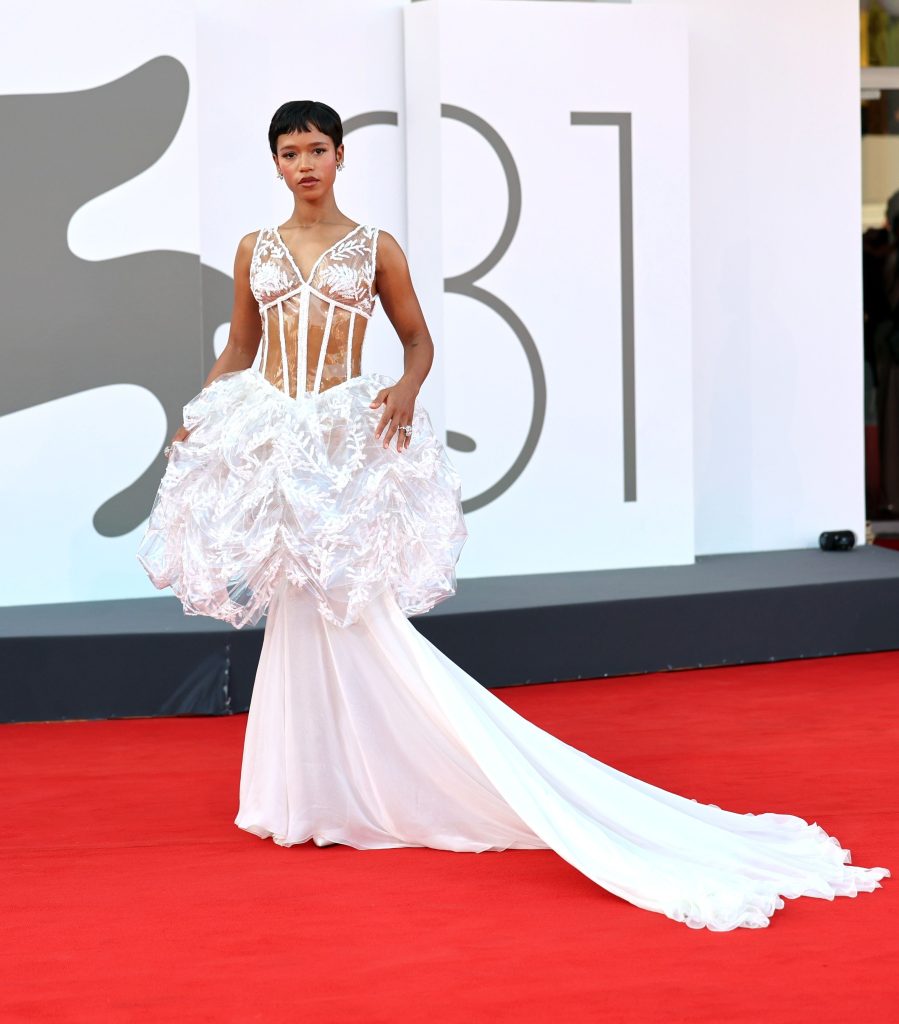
333 336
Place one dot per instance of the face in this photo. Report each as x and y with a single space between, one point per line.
308 161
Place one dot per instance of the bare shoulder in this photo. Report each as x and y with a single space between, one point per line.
390 252
245 247
247 243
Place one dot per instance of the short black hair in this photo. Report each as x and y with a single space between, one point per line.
303 116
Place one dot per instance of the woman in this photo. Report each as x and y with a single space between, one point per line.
335 507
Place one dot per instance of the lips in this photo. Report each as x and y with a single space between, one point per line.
308 181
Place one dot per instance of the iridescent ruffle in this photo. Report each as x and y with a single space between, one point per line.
268 487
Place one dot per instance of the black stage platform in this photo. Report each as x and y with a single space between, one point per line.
144 657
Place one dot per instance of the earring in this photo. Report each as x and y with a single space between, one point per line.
279 176
340 166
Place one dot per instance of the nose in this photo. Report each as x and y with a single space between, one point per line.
305 162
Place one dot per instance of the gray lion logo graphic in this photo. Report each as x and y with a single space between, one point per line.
71 324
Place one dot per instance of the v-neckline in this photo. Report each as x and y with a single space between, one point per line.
293 262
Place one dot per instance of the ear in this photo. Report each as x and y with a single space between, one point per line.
339 153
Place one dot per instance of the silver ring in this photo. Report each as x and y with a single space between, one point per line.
407 427
167 451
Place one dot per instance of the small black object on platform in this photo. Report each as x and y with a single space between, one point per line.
837 540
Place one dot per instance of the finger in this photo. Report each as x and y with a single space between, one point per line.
388 437
385 419
380 397
385 416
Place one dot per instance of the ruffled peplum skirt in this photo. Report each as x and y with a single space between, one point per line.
268 488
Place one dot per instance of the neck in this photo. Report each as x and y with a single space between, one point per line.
314 211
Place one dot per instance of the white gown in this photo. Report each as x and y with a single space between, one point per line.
360 731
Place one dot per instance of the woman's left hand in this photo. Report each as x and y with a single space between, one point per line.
399 405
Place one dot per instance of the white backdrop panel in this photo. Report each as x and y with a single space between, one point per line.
63 458
776 190
560 274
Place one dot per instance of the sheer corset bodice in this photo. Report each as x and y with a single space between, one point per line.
317 325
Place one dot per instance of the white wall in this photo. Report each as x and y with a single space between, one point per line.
777 316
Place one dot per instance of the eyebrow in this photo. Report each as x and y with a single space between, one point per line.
294 145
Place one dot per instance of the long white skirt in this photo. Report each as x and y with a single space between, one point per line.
368 735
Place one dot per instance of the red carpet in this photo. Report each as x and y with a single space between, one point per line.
129 895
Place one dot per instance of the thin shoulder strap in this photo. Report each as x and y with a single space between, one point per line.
374 258
259 234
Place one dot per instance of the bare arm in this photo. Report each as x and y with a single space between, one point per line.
394 286
246 329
